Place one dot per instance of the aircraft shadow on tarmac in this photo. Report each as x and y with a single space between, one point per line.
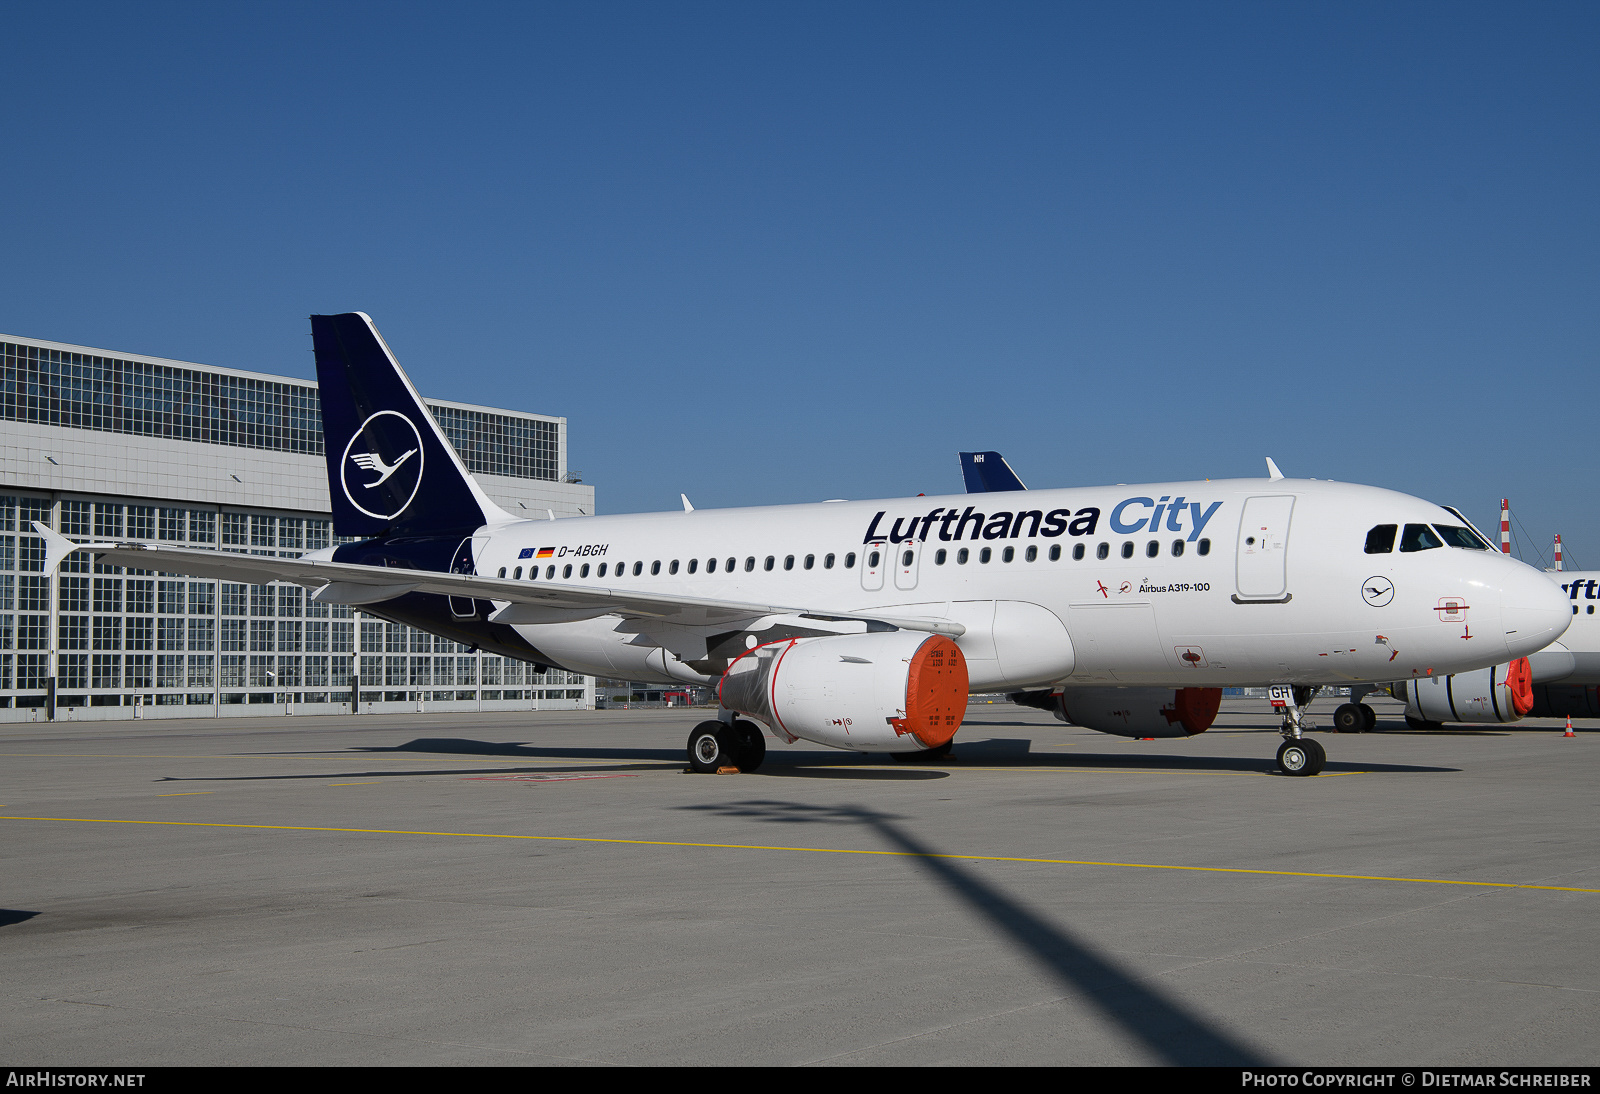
823 763
9 916
1167 1028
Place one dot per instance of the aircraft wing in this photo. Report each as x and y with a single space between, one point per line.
524 601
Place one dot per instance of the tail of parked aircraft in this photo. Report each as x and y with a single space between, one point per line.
391 471
986 472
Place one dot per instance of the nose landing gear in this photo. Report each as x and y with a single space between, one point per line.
1298 755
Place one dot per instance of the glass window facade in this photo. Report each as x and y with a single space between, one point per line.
158 645
117 395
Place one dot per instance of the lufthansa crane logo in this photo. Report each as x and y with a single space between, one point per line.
1377 591
382 466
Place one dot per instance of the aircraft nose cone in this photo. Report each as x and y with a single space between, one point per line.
1533 613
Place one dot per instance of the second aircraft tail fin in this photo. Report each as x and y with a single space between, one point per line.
986 472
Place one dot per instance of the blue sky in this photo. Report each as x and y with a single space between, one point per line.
769 253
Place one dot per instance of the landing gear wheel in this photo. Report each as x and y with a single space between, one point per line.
1301 757
749 745
1370 716
937 752
1418 723
1349 719
708 748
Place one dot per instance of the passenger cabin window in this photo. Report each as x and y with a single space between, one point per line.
1380 541
503 571
1418 537
672 569
566 571
1008 554
985 555
749 563
905 558
1031 553
638 568
1203 547
583 571
1077 552
732 565
711 565
811 560
1152 549
1455 536
1177 548
939 556
1055 552
1103 551
872 560
827 562
655 568
694 564
767 565
1127 550
788 562
549 572
850 561
962 556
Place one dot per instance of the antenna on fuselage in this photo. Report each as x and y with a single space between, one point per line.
1273 473
687 508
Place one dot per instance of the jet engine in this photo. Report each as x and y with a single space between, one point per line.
1503 693
1131 712
884 691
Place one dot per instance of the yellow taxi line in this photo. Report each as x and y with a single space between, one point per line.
822 851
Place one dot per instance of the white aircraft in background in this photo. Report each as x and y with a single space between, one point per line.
865 624
1561 681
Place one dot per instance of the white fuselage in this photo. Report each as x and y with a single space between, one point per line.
1576 657
1244 582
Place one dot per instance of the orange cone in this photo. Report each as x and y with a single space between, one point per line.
1569 732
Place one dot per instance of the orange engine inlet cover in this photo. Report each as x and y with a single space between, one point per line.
936 692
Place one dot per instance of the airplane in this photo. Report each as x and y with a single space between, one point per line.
987 472
864 625
1563 679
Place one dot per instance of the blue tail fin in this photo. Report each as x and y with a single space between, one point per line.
988 472
390 469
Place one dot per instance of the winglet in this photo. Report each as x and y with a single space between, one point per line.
57 547
988 472
1272 470
687 508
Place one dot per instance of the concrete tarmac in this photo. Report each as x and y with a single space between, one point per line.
550 888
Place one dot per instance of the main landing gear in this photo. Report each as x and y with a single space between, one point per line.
1298 755
1354 718
714 746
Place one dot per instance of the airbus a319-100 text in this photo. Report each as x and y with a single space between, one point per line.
866 624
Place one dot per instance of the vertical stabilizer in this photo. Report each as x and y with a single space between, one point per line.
987 472
390 468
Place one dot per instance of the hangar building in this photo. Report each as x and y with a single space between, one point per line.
108 445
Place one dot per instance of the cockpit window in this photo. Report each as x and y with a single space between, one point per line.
1380 541
1418 537
1460 537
